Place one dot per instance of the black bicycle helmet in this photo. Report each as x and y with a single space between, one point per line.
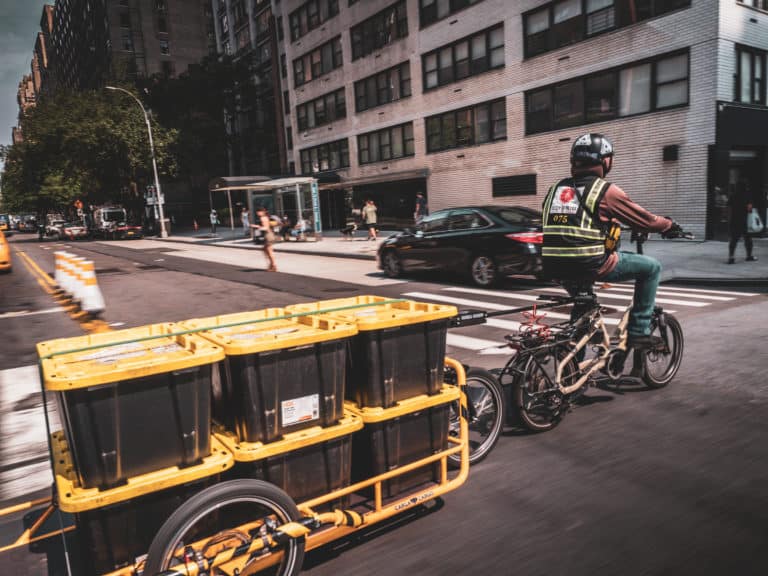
590 150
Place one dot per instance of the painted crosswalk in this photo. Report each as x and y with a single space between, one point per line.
488 339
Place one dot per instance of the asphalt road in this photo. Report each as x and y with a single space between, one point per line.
633 482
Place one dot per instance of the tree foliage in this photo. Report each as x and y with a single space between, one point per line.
87 145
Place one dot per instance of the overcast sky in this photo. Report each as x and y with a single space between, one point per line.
19 24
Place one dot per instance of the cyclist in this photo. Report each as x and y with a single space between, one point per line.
581 232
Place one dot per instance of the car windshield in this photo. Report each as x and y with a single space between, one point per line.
113 216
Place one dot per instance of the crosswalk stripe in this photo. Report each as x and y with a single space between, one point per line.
478 345
627 297
498 293
704 291
664 292
490 305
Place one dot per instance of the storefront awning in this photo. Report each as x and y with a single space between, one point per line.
377 179
235 182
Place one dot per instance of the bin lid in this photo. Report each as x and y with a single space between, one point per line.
252 451
109 357
374 414
377 312
73 498
268 329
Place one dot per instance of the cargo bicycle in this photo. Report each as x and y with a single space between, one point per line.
550 368
212 521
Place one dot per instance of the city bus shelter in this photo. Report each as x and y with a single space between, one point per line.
296 197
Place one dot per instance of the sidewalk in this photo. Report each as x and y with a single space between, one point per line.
691 261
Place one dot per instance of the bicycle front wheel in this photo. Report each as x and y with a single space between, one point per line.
208 518
485 407
661 365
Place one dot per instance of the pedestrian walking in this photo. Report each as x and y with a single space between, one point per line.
740 204
262 222
421 209
370 217
246 220
214 217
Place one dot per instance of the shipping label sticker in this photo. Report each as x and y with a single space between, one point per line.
298 410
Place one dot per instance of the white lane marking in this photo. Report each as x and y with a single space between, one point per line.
22 432
490 305
116 324
498 293
30 312
664 292
703 291
627 297
487 347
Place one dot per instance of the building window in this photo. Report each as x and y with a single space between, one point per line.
379 30
162 25
160 6
283 66
523 185
286 103
126 40
635 89
242 39
761 4
317 62
322 110
387 144
239 15
125 20
288 138
165 49
563 22
431 11
330 156
384 87
262 22
311 15
750 76
486 122
469 56
280 33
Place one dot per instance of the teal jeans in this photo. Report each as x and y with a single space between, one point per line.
646 272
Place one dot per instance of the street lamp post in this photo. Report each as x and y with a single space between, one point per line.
163 233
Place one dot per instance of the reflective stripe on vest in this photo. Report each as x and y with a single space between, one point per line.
572 251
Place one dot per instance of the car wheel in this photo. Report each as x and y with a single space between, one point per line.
391 263
483 271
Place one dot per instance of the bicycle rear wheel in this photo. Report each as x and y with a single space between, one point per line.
212 514
661 365
485 401
539 402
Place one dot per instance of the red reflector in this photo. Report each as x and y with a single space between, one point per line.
527 237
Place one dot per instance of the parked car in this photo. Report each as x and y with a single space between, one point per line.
63 230
484 243
5 252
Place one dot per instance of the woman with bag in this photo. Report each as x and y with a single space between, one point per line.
740 203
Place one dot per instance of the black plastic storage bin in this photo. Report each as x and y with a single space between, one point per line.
132 407
306 464
281 373
387 443
399 350
114 536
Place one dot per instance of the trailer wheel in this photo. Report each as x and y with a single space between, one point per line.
210 517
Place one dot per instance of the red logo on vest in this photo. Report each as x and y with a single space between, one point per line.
567 194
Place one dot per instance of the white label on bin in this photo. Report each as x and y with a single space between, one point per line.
264 334
298 410
173 347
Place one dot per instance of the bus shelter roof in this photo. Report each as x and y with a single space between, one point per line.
263 183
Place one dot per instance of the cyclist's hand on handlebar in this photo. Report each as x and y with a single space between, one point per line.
676 231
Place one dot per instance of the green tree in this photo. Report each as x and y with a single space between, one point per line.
87 145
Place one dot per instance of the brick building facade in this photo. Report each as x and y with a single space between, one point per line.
479 102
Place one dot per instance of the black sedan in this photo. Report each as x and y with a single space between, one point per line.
482 242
